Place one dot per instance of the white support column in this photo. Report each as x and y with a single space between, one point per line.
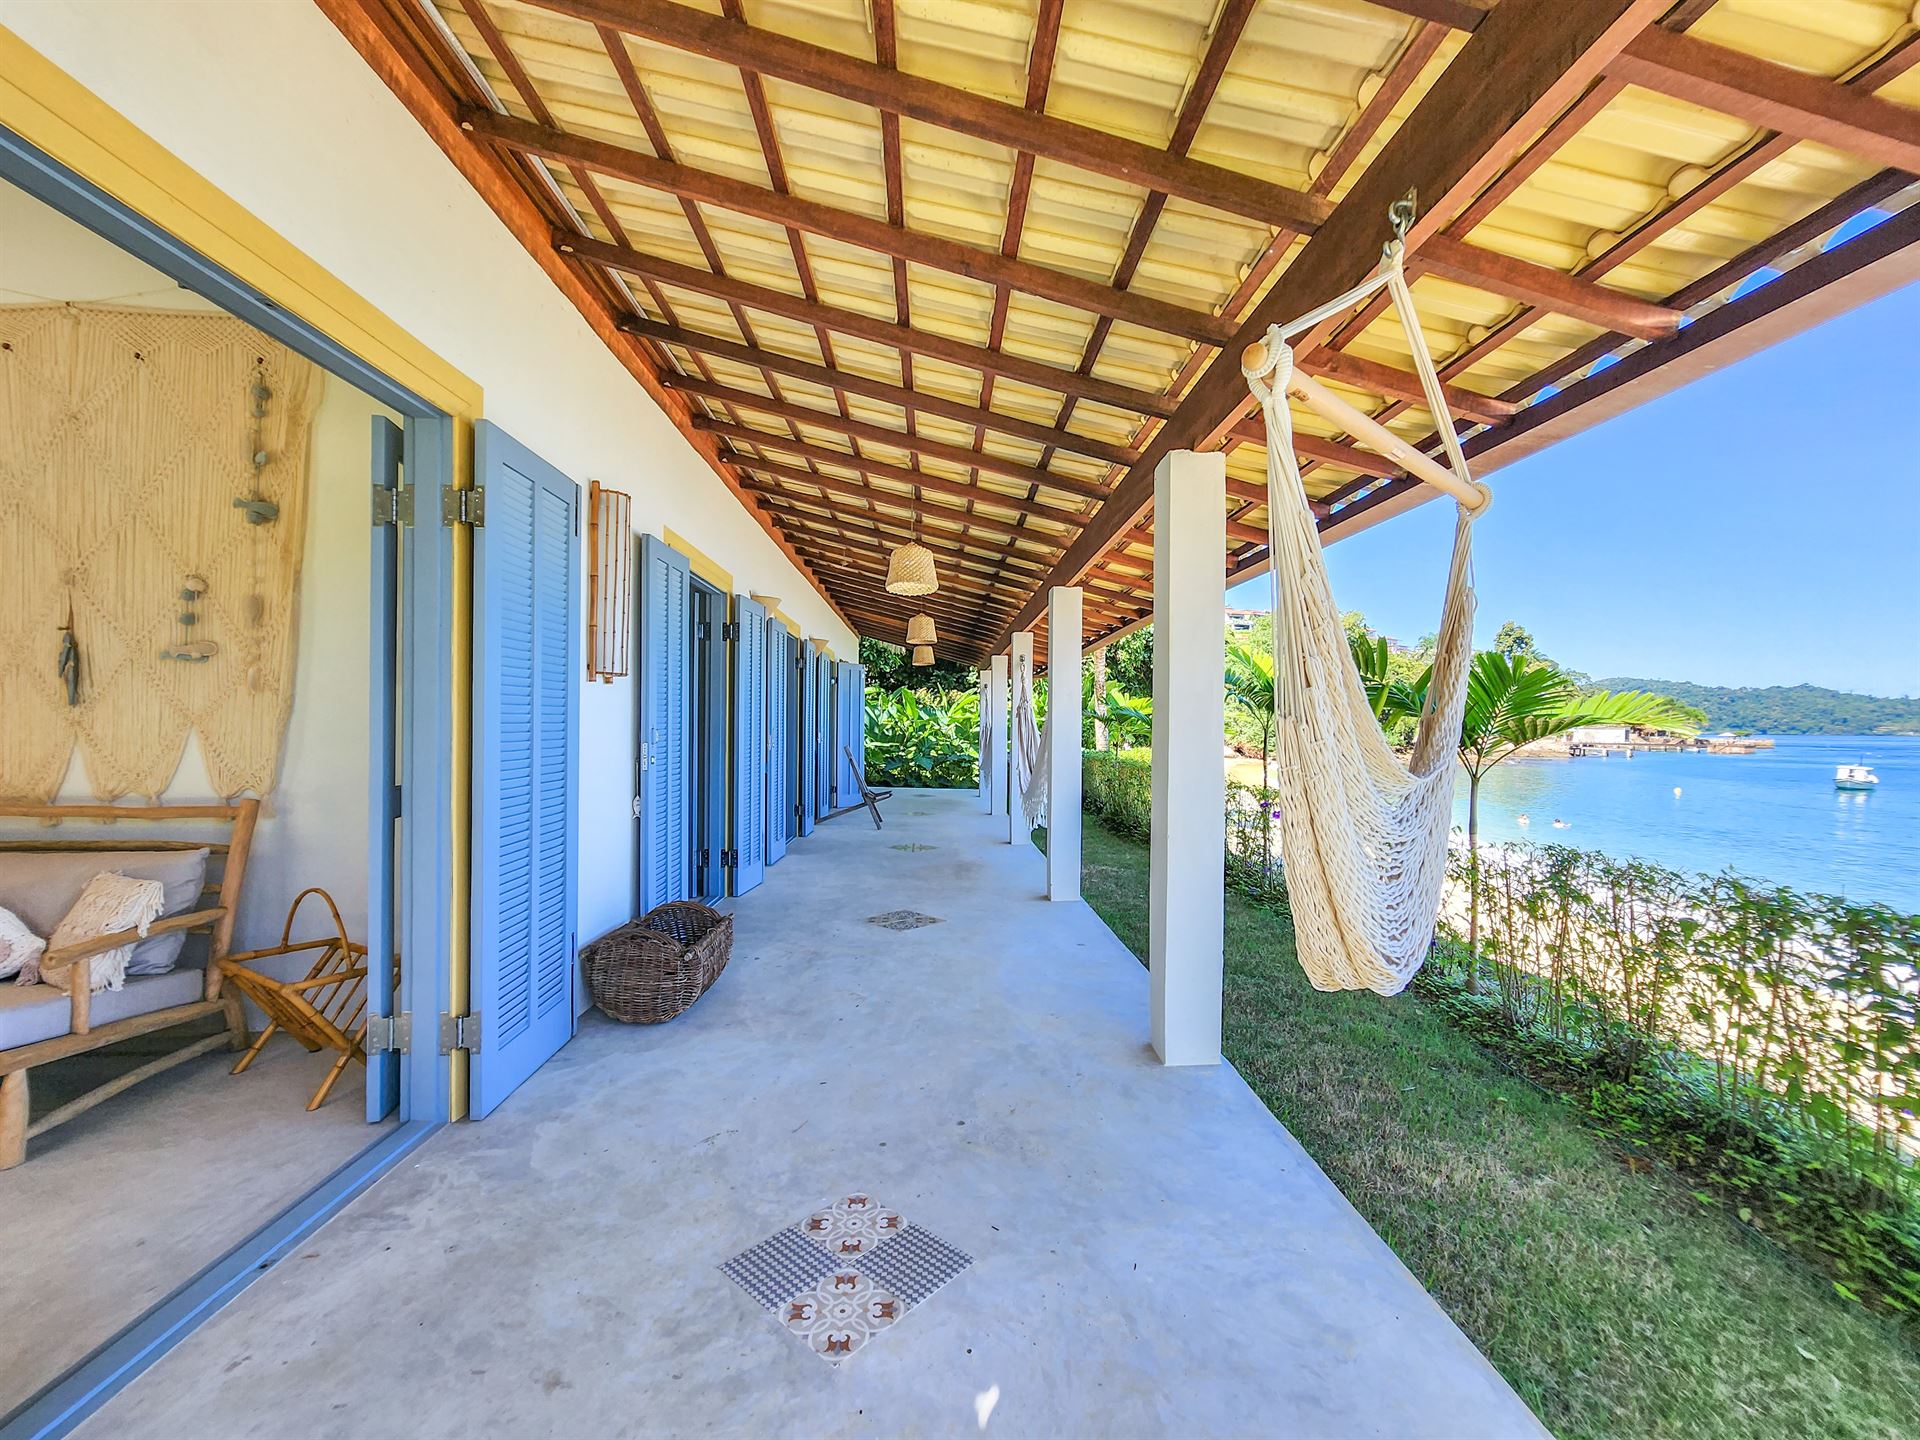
1017 832
997 737
1063 742
1186 888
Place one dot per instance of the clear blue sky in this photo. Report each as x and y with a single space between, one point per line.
1760 526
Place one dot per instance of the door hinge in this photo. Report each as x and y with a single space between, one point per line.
389 1034
730 630
392 506
730 859
459 1032
463 507
706 856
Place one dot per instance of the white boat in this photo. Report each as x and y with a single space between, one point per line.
1855 777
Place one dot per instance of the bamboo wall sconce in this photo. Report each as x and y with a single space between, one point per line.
609 581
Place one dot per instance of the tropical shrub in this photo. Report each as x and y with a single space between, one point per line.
1764 1041
923 740
1117 786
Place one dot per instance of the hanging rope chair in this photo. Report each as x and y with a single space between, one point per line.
1029 751
1364 838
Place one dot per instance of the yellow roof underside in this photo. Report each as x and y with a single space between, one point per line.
1299 77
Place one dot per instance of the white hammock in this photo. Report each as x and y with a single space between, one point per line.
1364 839
1029 752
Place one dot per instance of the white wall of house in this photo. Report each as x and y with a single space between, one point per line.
313 827
270 104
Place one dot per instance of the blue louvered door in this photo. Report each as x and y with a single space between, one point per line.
748 821
807 715
526 764
824 769
849 723
779 672
666 722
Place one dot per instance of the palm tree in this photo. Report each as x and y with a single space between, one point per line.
1512 701
1250 687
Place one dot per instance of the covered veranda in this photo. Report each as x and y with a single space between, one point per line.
1152 1252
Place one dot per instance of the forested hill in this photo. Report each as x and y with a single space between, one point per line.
1786 709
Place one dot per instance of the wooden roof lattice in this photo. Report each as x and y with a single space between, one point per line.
965 270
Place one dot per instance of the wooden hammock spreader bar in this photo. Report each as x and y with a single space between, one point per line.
1369 432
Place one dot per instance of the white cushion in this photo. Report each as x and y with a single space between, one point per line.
19 947
40 887
110 905
40 1012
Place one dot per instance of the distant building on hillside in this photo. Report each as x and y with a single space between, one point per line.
1599 735
1239 622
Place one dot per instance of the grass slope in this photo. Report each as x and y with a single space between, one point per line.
1613 1301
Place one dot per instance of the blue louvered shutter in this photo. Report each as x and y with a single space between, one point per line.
749 819
779 672
860 721
824 769
665 719
807 713
526 764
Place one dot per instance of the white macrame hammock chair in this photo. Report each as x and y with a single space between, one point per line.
1363 838
1029 751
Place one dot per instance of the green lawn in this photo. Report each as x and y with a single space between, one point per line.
1612 1300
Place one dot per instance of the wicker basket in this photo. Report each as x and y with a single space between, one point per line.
653 968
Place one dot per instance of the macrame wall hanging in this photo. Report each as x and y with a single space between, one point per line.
153 485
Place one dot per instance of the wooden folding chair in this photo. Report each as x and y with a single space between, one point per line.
324 1010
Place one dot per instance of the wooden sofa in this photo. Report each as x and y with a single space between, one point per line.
146 1004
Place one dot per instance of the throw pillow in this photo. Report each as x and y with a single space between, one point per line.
20 950
110 904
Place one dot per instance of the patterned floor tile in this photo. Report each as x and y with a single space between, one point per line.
902 920
914 1264
783 1264
840 1314
848 1271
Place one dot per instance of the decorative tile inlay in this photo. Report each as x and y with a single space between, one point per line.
902 920
915 846
853 1226
841 1314
783 1264
845 1273
915 1263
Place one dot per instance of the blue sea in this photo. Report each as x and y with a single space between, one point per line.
1773 815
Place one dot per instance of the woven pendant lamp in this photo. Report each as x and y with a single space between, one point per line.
923 655
910 571
920 630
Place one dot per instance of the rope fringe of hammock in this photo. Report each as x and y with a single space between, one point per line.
1363 838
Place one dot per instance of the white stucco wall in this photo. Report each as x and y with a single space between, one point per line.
268 102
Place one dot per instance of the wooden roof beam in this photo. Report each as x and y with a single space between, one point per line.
866 327
914 246
971 525
892 92
898 439
924 511
912 401
1522 66
778 440
1775 97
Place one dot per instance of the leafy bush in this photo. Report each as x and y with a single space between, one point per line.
1117 786
923 740
1764 1041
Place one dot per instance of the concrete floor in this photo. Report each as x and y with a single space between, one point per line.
1153 1253
115 1210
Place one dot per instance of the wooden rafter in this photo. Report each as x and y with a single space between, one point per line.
878 469
961 455
919 401
1790 101
1525 63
